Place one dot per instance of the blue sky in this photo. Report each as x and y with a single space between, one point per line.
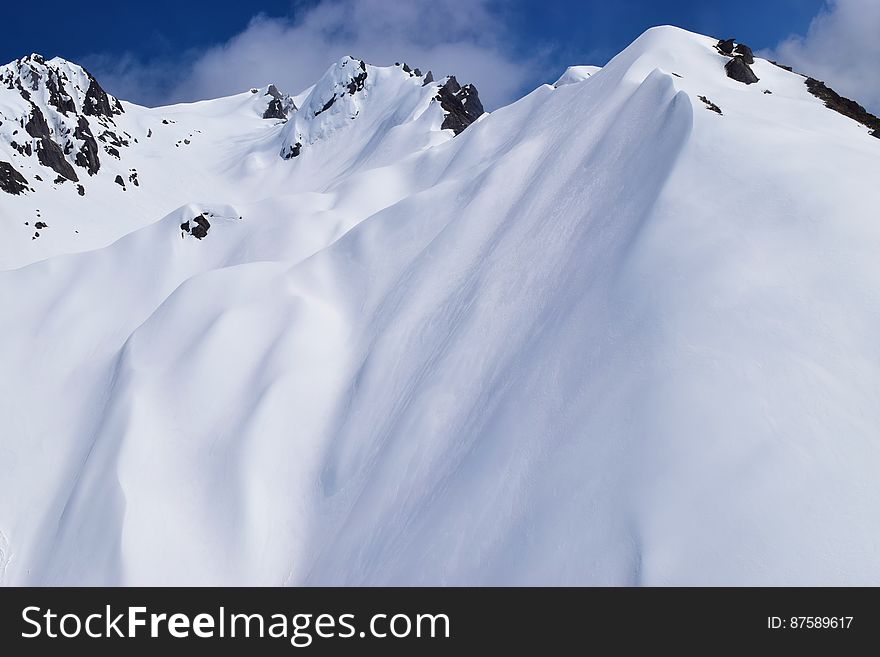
163 50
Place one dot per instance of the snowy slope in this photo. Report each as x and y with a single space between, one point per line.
605 335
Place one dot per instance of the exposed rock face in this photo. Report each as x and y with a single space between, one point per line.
710 105
61 98
197 227
845 106
358 81
429 78
87 157
293 151
11 181
97 102
50 155
119 181
739 70
738 67
280 104
461 104
725 46
745 52
275 110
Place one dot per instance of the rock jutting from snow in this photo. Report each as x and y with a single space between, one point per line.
11 181
737 69
280 106
199 230
725 46
97 102
745 52
87 157
461 104
845 106
710 105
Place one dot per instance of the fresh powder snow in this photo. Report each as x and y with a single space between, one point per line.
604 335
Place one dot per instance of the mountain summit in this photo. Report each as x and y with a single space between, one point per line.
621 331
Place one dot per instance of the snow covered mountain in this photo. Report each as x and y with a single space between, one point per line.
622 331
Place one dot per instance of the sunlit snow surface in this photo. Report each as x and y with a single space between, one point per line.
604 336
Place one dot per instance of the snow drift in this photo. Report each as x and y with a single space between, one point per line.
605 335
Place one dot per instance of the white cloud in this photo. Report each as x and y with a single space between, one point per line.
469 40
841 47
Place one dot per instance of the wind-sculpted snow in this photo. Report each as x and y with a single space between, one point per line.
603 336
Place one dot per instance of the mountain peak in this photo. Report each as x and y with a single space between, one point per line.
398 93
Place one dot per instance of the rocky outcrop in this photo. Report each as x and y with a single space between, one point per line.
737 69
741 57
461 104
275 110
197 226
11 181
50 155
745 52
87 157
280 106
97 102
845 106
59 107
710 105
725 47
358 81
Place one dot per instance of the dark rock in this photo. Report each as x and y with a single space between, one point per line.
429 78
23 149
59 180
845 106
11 181
111 151
149 133
37 177
725 46
710 105
199 230
767 91
50 155
133 178
88 154
40 225
119 181
97 102
782 66
461 104
275 110
110 137
358 81
417 73
81 191
738 70
57 96
326 106
406 68
293 151
36 125
745 52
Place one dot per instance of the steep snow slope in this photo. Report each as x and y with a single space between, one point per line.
604 336
575 74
